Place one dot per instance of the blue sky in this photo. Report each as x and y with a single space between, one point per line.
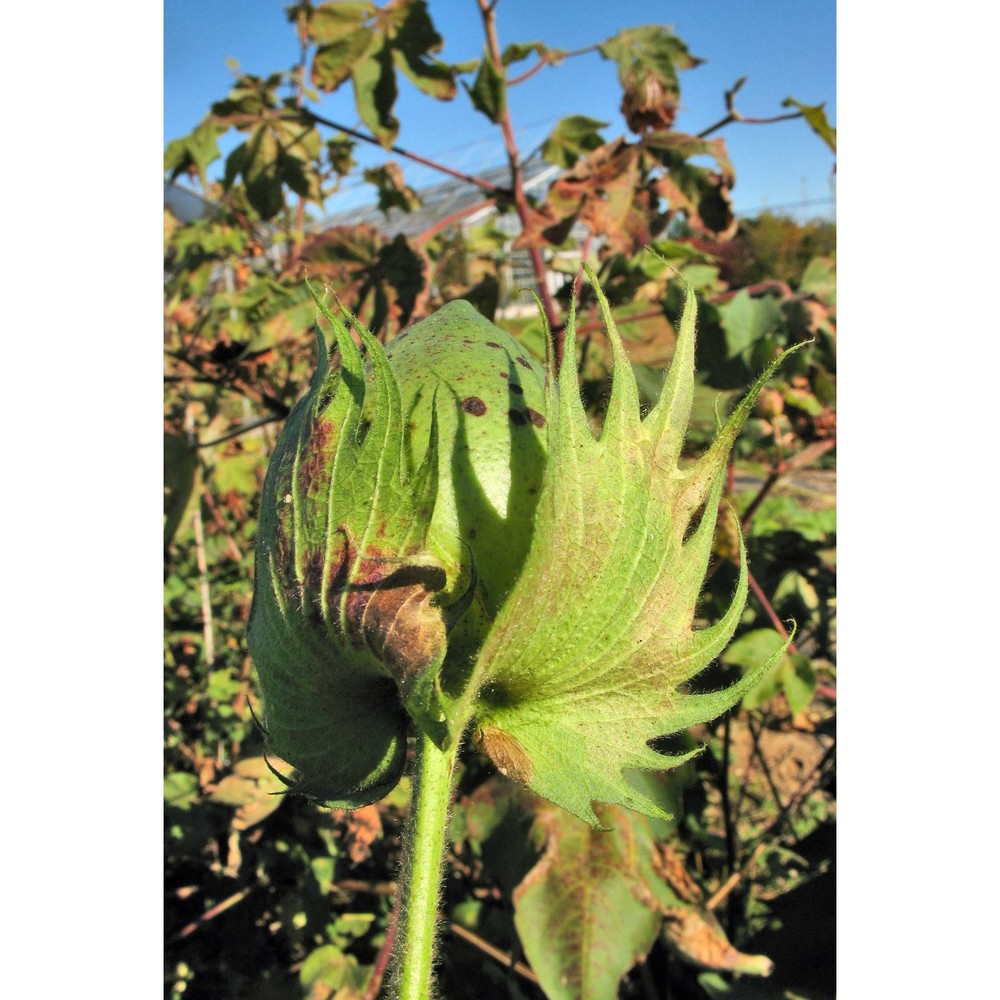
785 48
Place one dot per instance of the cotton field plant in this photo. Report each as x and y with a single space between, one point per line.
448 550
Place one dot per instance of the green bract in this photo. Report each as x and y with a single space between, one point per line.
444 540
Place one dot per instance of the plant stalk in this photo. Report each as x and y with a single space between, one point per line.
426 833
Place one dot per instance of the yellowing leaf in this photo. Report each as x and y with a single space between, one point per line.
253 789
584 913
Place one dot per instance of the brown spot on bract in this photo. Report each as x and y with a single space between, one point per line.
474 405
507 754
490 343
313 462
514 387
518 419
536 418
312 569
336 574
284 553
523 363
504 375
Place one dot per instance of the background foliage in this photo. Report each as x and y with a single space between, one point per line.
274 896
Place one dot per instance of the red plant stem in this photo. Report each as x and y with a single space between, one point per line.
769 610
543 61
735 116
497 954
416 157
449 220
347 130
808 454
773 476
517 181
295 245
591 327
382 961
546 59
211 913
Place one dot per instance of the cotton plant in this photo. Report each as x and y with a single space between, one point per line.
448 550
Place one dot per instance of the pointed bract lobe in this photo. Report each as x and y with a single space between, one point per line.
588 659
342 619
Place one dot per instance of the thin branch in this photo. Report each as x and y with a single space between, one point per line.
543 61
590 327
495 953
382 961
773 477
732 115
736 117
295 244
199 541
357 885
804 786
727 812
450 220
550 59
211 914
199 379
415 157
807 456
809 783
206 599
783 816
240 429
769 610
517 180
734 880
265 399
316 119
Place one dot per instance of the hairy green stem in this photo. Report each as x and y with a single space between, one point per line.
426 834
